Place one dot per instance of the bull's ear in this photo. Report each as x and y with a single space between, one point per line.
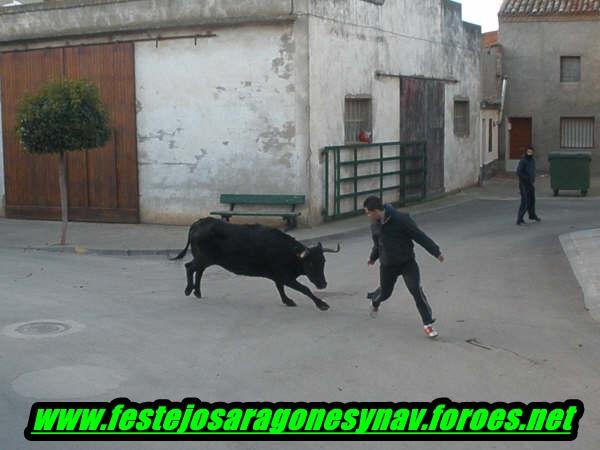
320 246
303 255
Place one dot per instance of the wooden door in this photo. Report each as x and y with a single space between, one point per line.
520 136
422 106
103 183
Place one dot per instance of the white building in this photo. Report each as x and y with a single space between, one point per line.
230 96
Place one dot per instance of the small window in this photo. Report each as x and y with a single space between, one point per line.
461 118
490 135
357 118
577 132
570 69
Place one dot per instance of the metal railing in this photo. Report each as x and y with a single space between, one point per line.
388 167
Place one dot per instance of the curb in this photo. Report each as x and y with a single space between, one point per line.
80 250
591 296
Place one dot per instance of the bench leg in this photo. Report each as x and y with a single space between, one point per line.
291 223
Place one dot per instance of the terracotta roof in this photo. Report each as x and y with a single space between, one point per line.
541 8
489 39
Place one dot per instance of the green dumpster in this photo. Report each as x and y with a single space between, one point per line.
570 171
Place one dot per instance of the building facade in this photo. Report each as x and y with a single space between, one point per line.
492 86
235 96
552 64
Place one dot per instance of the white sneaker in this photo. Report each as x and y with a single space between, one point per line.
430 331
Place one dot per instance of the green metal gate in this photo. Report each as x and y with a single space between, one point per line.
396 171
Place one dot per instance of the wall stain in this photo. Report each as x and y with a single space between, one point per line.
159 135
274 138
282 65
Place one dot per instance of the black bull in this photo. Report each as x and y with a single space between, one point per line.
255 251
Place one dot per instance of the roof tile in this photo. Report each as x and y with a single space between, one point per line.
533 8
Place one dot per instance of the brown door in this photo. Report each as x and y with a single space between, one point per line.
520 136
422 104
103 183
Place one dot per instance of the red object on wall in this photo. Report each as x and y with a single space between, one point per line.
365 136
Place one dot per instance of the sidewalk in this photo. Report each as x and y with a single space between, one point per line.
145 239
583 251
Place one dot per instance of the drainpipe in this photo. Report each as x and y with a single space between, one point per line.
502 99
500 124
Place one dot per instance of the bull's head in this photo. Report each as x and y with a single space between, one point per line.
313 264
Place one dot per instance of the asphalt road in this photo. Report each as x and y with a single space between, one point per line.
511 318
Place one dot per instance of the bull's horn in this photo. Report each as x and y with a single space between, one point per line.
328 250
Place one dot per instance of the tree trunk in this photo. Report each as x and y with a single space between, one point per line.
64 207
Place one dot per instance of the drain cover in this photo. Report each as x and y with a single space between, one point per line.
41 329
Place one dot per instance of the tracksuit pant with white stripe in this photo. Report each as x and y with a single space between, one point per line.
412 278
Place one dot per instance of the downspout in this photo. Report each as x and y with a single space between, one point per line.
502 100
501 127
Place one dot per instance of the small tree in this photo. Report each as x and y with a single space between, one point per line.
63 116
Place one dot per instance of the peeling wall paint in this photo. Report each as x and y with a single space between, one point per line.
351 40
215 118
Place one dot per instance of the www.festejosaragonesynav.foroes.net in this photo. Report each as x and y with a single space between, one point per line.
192 419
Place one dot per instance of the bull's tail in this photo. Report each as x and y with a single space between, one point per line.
184 251
202 229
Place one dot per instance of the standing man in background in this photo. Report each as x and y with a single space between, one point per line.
526 174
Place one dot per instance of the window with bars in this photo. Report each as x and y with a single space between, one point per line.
577 132
570 69
461 118
357 118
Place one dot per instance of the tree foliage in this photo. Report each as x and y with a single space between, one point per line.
63 116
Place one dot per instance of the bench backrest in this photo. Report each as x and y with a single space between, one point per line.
263 199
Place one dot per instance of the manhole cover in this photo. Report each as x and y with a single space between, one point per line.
41 329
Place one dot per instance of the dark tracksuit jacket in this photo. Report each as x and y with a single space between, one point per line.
393 246
393 239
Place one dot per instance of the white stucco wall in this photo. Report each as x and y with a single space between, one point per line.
217 117
351 40
488 156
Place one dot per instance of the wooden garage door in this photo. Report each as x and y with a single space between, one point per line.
103 183
520 136
422 119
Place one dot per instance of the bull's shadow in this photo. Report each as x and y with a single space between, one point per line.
255 251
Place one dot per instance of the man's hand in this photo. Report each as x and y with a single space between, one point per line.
440 258
371 262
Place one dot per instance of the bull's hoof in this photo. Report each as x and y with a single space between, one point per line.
197 294
290 303
188 291
323 306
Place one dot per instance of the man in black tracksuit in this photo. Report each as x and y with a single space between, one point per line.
526 174
393 235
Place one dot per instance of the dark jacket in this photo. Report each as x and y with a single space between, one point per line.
393 239
526 170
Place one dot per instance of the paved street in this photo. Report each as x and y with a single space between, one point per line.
510 313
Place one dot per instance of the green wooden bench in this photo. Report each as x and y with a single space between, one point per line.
290 216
